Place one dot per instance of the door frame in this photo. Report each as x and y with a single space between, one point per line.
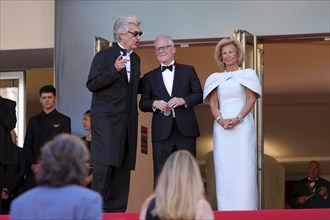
20 102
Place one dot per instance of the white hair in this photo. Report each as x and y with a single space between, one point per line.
121 25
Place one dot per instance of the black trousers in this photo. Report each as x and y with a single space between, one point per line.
113 184
30 181
161 150
12 178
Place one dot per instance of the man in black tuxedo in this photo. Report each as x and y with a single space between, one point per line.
311 192
114 80
42 128
8 151
170 92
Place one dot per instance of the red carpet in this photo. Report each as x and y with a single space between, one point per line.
285 214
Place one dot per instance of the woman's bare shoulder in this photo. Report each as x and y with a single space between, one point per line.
204 210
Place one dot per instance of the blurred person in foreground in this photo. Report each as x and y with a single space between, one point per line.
179 193
60 194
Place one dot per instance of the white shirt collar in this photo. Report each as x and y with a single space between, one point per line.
128 52
169 64
313 179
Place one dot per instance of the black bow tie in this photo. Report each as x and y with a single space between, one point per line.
124 52
170 67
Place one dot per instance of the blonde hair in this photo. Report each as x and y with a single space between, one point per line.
224 42
179 187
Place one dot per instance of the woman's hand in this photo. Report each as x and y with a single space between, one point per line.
230 123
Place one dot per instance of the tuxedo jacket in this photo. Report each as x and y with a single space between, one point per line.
114 115
301 188
8 152
36 136
186 85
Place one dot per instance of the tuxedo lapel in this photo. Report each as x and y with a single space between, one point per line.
176 80
2 102
123 72
134 69
161 84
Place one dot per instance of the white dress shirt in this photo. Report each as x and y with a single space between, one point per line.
128 63
168 78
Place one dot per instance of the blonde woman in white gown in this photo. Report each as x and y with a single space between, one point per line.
231 95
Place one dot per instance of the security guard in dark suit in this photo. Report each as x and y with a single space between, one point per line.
42 128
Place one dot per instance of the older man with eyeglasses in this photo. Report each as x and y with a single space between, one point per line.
170 92
114 80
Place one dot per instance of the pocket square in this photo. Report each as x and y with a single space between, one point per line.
56 125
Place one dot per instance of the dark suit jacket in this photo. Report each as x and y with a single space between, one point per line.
36 137
301 189
114 116
8 153
185 85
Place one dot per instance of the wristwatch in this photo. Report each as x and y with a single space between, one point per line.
240 118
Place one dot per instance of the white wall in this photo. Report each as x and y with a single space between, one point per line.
26 24
142 178
274 177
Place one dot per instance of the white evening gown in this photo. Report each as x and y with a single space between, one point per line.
235 149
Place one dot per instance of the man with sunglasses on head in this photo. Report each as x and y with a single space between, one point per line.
170 92
114 79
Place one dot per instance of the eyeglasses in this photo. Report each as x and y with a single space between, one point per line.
163 48
135 33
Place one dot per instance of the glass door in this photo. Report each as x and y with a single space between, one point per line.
12 86
253 49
